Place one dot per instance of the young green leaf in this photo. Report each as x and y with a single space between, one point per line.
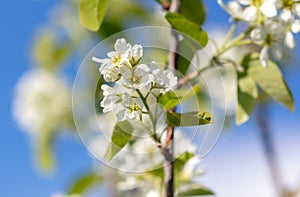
247 95
183 25
188 119
171 99
186 51
85 182
194 190
193 10
270 80
120 137
49 53
92 13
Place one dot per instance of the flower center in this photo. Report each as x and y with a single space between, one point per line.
269 39
135 80
288 4
116 61
134 108
257 3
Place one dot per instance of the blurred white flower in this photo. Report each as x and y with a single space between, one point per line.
271 36
250 10
152 193
292 25
41 100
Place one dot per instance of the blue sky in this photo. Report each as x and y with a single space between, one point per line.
237 155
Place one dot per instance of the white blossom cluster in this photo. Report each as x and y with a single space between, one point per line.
124 68
144 185
40 98
273 22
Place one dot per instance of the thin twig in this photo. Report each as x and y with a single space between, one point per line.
168 150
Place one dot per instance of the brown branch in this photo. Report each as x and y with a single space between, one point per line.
167 151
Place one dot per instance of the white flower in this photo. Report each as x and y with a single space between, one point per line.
111 97
152 193
250 10
42 99
292 25
165 80
133 108
111 67
191 168
138 77
270 36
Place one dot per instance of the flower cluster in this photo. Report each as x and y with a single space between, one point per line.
273 23
40 98
124 68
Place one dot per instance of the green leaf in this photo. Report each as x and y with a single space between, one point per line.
193 10
247 95
270 80
48 52
85 182
188 119
186 51
171 99
181 161
109 28
120 137
92 13
194 190
183 25
178 165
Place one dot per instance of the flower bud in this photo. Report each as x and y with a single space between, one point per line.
111 76
136 53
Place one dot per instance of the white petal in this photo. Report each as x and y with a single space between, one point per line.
258 35
137 52
264 57
296 26
289 40
296 8
111 76
122 115
234 7
153 67
245 2
95 59
286 15
107 90
121 46
268 9
276 51
142 67
249 13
